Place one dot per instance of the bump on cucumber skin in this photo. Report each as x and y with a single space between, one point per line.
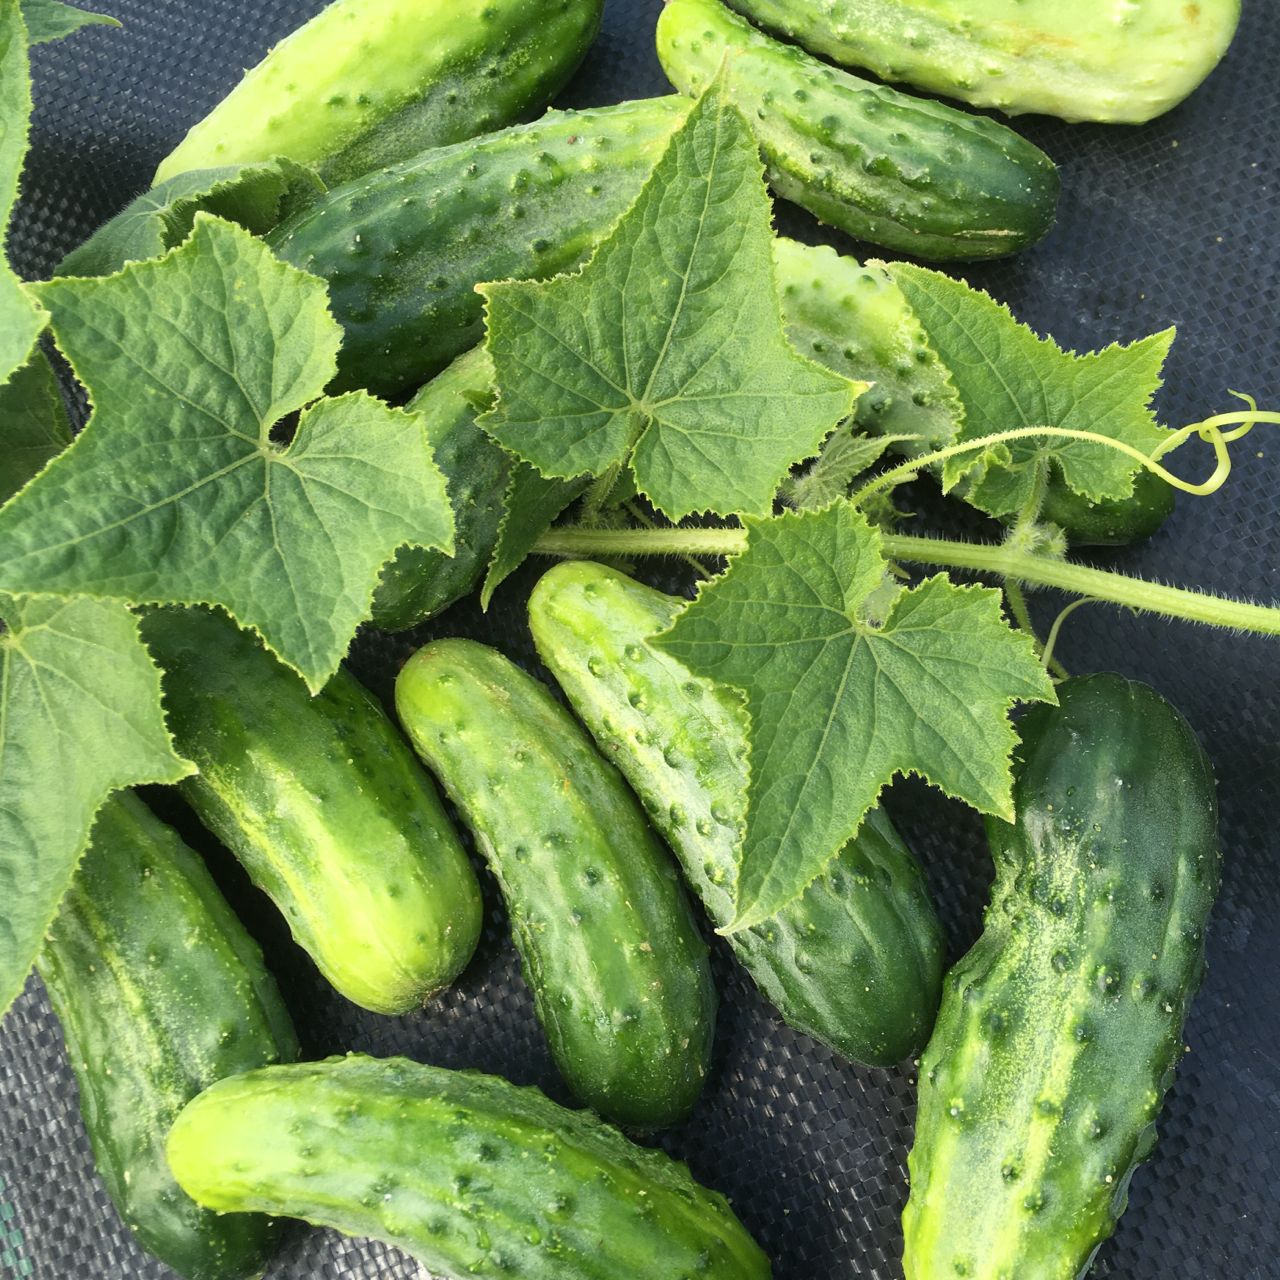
912 175
160 993
323 803
607 939
418 583
468 1174
1060 1031
857 960
1119 64
403 249
369 82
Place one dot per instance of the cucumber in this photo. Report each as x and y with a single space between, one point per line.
327 809
1117 64
856 962
418 583
1113 523
160 993
402 250
1060 1030
468 1174
914 176
608 942
368 82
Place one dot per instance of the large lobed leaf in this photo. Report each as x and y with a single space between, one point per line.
849 681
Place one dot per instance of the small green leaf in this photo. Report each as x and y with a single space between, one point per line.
50 20
851 680
254 196
843 459
33 424
667 352
176 492
1009 378
533 504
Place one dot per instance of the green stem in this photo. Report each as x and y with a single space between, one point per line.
1020 566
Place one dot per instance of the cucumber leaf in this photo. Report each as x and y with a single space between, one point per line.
254 196
845 456
177 491
667 353
850 679
50 20
533 504
33 424
1009 378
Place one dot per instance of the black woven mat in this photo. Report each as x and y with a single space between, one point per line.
1176 221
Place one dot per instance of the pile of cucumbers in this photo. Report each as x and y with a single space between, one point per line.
610 827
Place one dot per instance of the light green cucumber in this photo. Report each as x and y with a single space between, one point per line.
324 804
856 961
475 1178
1122 63
367 83
160 993
912 175
609 944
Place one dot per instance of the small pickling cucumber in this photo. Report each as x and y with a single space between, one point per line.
475 1178
322 801
160 993
856 961
403 249
609 944
366 83
1122 63
1061 1029
419 583
912 175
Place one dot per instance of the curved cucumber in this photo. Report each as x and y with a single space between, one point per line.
1118 64
368 82
160 993
402 250
418 583
1060 1030
325 806
915 176
856 961
609 944
470 1175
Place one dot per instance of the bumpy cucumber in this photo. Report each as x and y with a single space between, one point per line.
419 583
915 176
855 320
857 960
1119 64
1060 1030
327 809
403 249
471 1175
160 993
609 944
368 82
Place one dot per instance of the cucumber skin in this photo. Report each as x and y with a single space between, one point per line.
607 939
382 80
1093 949
471 1175
403 249
160 993
856 962
1125 65
418 583
912 175
325 806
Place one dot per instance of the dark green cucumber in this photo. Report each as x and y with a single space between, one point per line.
368 82
472 1176
609 944
1114 523
912 175
418 583
1061 1029
324 804
160 993
402 250
856 962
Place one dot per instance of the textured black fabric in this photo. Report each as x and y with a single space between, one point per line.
1174 222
